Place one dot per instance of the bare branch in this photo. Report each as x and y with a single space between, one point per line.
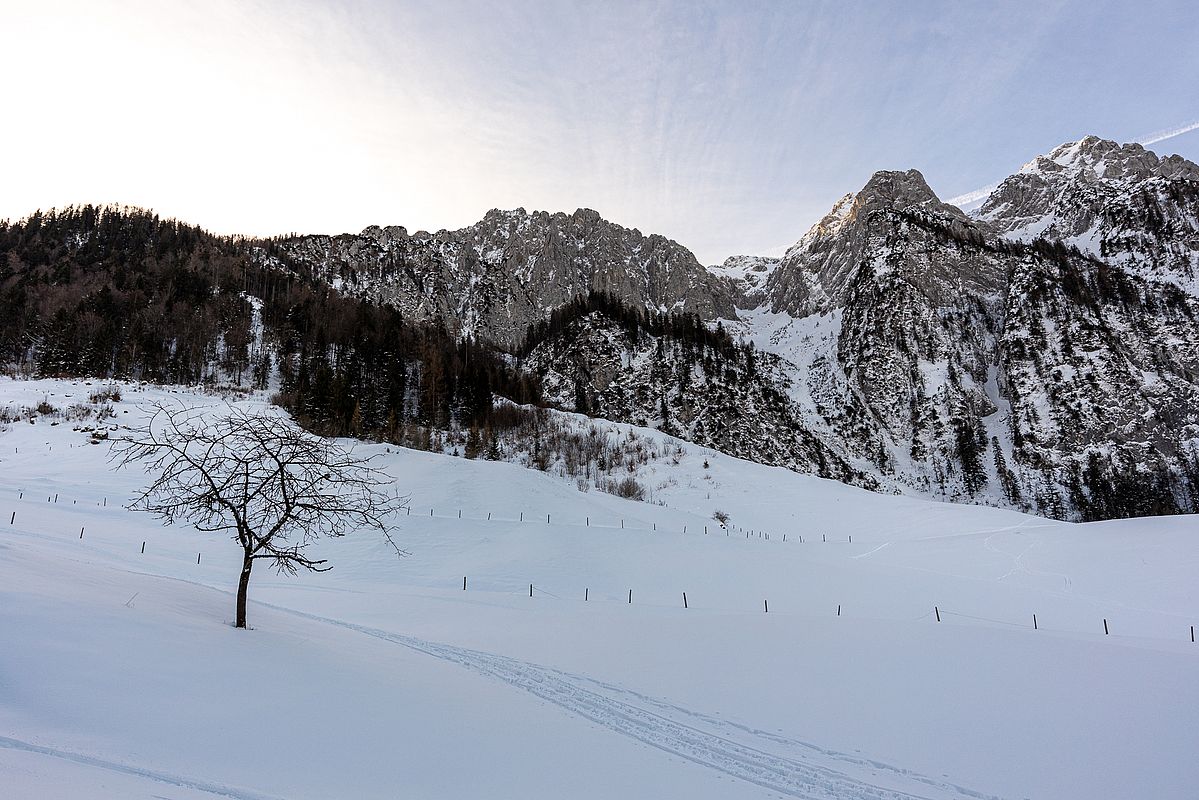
275 487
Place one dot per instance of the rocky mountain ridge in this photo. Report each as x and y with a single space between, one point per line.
1039 353
494 279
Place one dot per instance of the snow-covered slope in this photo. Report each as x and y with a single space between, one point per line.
1121 203
988 358
121 676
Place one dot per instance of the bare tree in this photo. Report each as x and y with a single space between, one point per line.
275 486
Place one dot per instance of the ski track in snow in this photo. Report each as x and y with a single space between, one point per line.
1018 564
217 789
699 738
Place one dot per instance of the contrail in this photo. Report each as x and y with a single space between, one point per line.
1148 139
1168 133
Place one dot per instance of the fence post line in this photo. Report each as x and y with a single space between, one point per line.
765 607
630 597
684 599
464 583
1192 634
459 513
838 609
937 611
489 516
143 548
81 532
530 590
1105 633
586 594
14 518
197 558
1034 622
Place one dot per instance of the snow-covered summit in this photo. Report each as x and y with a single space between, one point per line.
749 274
1120 203
1103 159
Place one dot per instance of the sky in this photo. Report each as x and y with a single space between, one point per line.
730 127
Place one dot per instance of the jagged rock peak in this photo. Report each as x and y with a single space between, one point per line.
1098 158
885 189
749 276
384 233
897 189
817 272
493 279
1120 203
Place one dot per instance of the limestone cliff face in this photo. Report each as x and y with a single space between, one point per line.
1120 203
1041 353
494 279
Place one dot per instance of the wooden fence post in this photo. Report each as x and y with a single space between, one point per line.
937 611
684 599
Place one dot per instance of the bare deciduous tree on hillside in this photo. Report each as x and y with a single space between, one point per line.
276 487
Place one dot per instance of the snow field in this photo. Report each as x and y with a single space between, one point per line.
120 674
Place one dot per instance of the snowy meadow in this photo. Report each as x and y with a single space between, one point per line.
543 641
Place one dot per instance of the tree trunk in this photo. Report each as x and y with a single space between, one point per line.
243 587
